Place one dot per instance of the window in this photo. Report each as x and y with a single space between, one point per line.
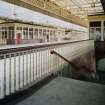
30 33
91 32
95 24
44 32
25 32
97 34
19 28
4 32
11 32
47 35
104 30
36 34
95 30
40 33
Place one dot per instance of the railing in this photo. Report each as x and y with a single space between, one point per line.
66 60
24 66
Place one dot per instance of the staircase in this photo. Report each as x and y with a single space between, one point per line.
82 74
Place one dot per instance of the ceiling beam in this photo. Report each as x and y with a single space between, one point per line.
50 9
96 18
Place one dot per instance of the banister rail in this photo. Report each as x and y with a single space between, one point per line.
71 63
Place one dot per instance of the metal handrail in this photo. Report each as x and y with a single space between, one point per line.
59 55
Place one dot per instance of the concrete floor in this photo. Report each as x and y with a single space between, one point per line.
64 91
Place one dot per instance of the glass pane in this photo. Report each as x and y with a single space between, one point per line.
97 34
30 33
104 34
91 33
95 24
25 33
4 33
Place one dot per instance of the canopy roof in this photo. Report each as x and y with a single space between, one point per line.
81 8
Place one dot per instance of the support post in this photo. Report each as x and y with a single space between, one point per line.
102 30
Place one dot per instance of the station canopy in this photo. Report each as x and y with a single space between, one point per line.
81 8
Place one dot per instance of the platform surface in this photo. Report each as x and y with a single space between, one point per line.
64 91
